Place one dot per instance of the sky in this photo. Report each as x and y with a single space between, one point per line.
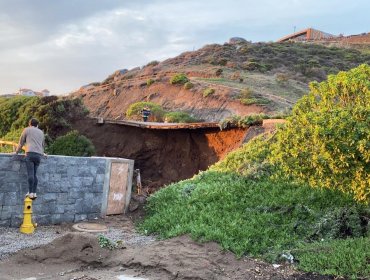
61 45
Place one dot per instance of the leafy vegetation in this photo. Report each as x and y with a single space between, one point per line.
305 61
12 136
208 92
153 63
105 242
179 117
239 121
72 144
188 85
179 79
55 116
134 111
254 100
149 82
348 257
326 141
255 204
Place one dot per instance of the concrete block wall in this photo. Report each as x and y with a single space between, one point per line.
70 189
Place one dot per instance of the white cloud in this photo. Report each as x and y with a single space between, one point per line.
76 47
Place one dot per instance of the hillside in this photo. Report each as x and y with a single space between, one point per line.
246 77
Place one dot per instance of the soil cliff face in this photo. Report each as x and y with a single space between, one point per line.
113 101
163 156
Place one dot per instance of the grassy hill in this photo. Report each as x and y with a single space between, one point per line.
246 78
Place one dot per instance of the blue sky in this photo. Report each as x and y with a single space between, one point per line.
62 45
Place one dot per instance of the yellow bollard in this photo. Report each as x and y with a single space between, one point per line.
27 227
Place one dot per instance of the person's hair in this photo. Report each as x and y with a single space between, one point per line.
34 122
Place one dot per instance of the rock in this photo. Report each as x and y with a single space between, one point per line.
134 205
237 40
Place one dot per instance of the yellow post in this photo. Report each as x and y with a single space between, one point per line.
27 227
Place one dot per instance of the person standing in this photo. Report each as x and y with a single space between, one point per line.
145 113
34 139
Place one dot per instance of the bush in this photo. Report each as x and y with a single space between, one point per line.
179 117
153 63
179 79
149 82
208 91
245 93
10 111
188 85
243 122
72 144
326 141
349 257
55 114
252 66
134 111
12 136
255 100
219 72
281 78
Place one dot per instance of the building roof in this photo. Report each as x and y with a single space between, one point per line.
307 35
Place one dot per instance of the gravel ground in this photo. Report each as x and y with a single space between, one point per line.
11 240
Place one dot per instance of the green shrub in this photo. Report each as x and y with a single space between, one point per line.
188 85
72 144
251 66
245 93
255 100
179 79
208 91
149 82
55 114
239 121
222 62
10 111
179 117
219 72
134 111
153 63
12 136
105 242
281 78
326 141
349 257
249 101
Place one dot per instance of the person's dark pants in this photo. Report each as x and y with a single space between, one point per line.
32 163
145 118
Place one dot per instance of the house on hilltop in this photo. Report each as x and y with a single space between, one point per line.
308 34
30 92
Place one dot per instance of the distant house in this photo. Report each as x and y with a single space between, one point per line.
26 92
30 92
308 34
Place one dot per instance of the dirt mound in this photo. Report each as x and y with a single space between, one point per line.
76 248
163 156
177 258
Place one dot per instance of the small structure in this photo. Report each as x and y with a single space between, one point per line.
30 92
308 34
71 189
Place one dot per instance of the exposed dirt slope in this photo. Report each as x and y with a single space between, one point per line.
163 156
114 101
